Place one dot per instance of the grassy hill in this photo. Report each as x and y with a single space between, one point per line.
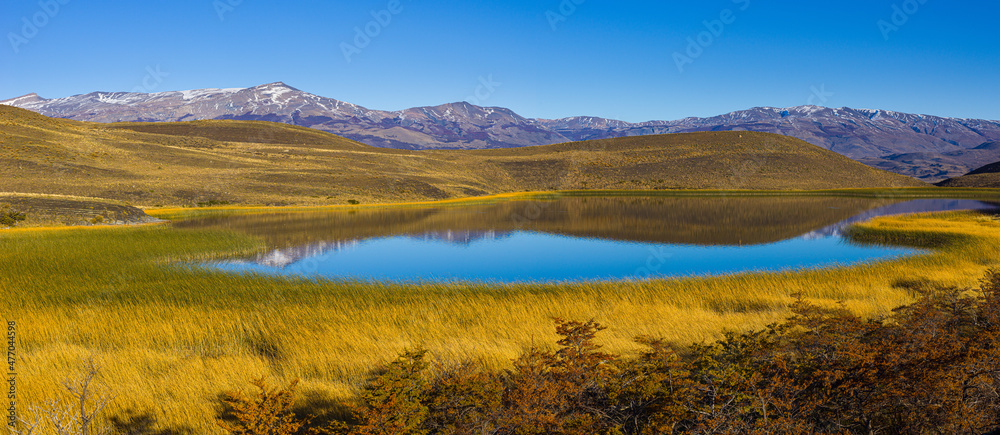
47 210
184 164
986 176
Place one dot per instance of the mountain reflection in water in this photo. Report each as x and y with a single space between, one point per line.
510 232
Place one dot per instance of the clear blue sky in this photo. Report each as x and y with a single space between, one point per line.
606 58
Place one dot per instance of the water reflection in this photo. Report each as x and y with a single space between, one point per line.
906 207
569 238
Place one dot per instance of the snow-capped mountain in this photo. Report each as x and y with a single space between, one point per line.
927 147
457 125
856 133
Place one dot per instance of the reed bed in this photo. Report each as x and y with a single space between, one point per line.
171 337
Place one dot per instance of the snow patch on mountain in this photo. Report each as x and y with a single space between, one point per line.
200 93
24 99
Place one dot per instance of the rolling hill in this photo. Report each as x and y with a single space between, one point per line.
936 166
921 146
986 176
265 163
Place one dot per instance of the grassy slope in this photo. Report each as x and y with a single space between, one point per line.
54 211
709 160
986 176
181 164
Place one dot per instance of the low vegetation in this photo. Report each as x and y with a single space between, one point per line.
10 217
173 338
213 203
932 366
76 412
53 211
268 412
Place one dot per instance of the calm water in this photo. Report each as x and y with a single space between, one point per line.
570 239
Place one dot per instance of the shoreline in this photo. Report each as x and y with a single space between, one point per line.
167 214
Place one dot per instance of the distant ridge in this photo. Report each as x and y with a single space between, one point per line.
986 176
931 148
992 168
266 163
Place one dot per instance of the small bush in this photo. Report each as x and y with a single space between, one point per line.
269 412
9 218
76 414
929 367
212 203
392 402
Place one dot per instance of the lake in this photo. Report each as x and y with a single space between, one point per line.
569 238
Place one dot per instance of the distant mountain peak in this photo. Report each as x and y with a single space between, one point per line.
275 86
202 93
24 99
809 108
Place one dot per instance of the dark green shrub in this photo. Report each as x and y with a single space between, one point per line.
9 218
212 203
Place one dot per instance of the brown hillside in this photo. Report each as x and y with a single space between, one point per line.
986 176
267 163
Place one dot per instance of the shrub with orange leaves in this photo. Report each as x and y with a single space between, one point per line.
269 412
930 367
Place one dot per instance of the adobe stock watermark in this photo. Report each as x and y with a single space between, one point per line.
223 7
48 9
900 16
486 88
562 13
820 94
12 373
363 35
153 79
658 257
714 29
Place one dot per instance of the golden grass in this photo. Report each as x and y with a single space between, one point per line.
171 339
904 193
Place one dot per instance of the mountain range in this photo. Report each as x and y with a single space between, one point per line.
927 147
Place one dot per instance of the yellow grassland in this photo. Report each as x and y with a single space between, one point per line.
171 338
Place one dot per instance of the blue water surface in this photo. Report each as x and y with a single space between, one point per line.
538 257
529 256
